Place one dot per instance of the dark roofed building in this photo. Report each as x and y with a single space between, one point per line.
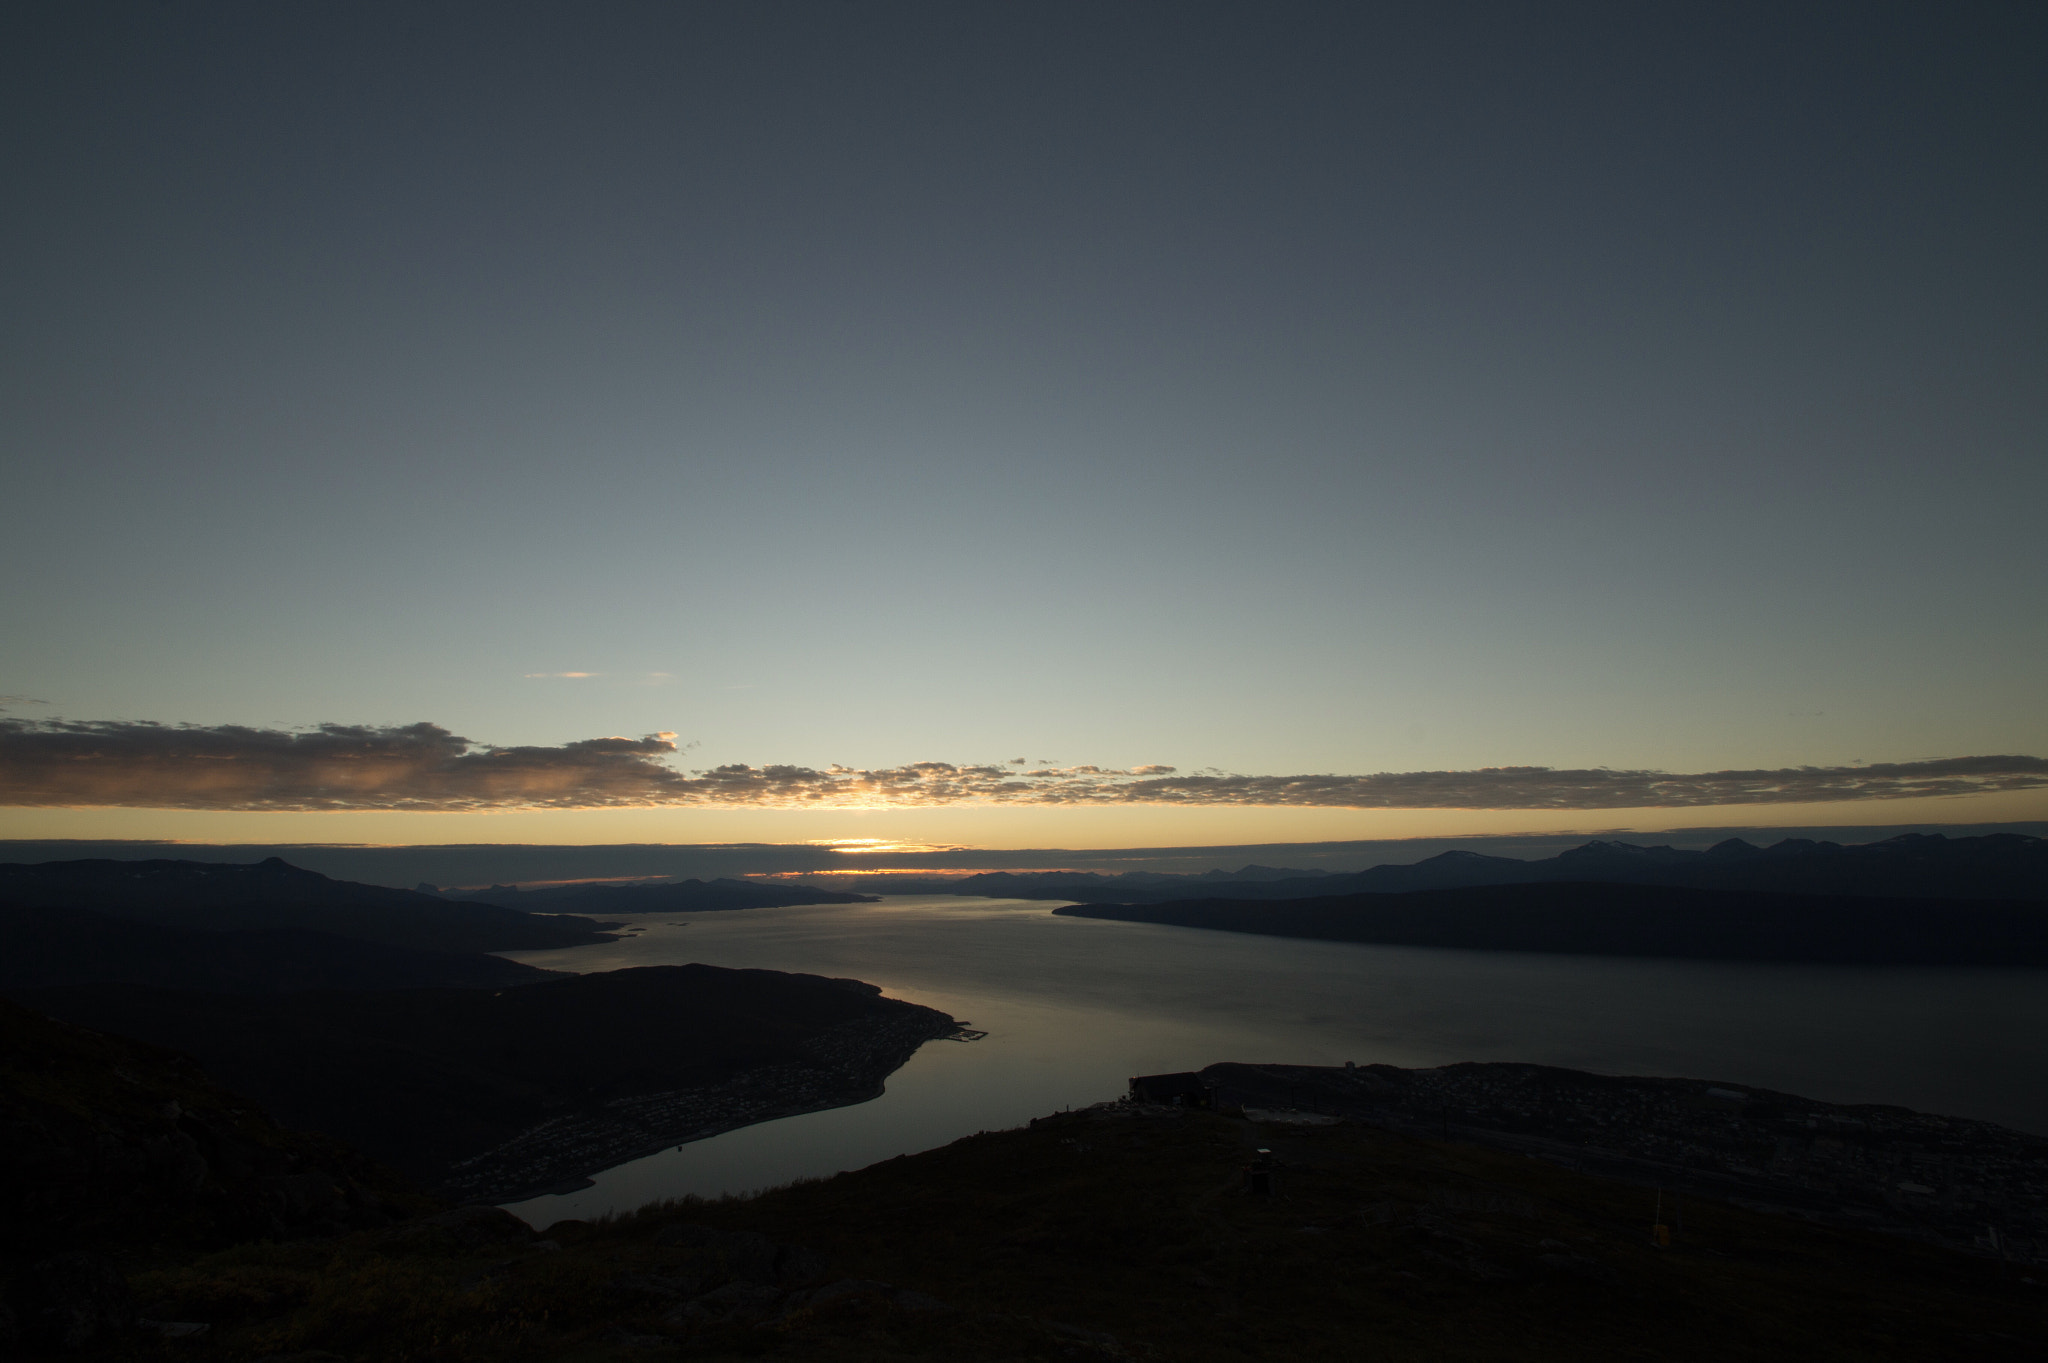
1185 1089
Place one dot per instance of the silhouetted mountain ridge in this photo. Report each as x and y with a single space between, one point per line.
48 947
223 896
1087 884
680 896
1607 919
1912 865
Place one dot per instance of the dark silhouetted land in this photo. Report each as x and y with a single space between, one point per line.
1127 1232
1636 920
1967 1185
218 896
45 947
114 1145
1911 866
683 896
1490 1212
494 1094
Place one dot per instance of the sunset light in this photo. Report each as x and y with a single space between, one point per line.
975 683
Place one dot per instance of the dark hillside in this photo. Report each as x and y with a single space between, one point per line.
1128 1233
116 1146
218 896
1967 1185
40 948
1636 920
616 1063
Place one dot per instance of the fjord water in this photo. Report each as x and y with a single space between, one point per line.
1075 1006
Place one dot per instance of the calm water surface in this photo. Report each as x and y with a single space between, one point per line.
1075 1006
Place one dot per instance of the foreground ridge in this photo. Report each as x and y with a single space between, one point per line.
1967 1185
1131 1230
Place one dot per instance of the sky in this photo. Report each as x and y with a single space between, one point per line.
1049 394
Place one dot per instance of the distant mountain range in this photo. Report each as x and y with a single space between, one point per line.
1054 884
272 894
654 897
1636 920
1914 865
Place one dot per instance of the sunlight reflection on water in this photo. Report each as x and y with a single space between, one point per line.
1075 1006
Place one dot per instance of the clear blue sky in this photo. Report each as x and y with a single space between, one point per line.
1274 388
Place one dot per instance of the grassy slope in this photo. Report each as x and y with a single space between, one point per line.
1133 1226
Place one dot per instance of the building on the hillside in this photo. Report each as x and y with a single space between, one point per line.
1179 1090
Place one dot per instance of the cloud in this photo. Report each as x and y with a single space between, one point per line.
1599 788
425 767
333 766
631 678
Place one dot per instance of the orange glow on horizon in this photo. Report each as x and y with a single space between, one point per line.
982 826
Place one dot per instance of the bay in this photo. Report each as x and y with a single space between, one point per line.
1076 1006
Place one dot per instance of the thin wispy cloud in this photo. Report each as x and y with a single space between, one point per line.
629 678
426 767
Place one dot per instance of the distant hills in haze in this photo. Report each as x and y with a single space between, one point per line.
543 864
1913 865
684 896
1607 919
1083 884
1916 899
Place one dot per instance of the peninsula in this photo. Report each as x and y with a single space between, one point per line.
494 1095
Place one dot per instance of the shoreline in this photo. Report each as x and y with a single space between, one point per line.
847 1066
1968 1185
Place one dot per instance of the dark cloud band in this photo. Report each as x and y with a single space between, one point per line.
425 767
334 766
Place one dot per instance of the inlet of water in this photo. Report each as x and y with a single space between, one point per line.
1075 1006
